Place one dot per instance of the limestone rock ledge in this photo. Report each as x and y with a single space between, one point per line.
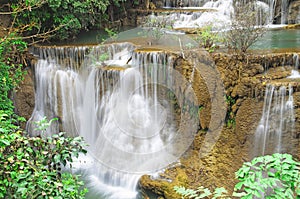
245 82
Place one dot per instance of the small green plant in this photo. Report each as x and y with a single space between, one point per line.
270 176
201 192
112 34
230 116
103 57
189 46
208 38
43 124
194 110
156 26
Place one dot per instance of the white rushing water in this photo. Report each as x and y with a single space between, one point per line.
295 72
277 121
117 99
220 14
284 11
184 3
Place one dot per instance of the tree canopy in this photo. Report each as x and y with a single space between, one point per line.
61 19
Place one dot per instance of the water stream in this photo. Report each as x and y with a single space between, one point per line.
295 72
275 128
121 100
219 13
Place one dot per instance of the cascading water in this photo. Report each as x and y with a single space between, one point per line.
117 99
184 3
272 7
277 122
284 11
295 73
219 13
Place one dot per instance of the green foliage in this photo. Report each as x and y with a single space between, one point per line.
208 38
194 110
64 18
43 124
10 62
156 26
32 166
189 46
11 74
271 176
201 192
112 34
103 57
230 115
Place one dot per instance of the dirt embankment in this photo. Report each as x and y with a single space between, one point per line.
5 22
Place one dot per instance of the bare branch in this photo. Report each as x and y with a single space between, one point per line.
40 36
244 29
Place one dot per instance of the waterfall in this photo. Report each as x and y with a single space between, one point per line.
296 61
272 9
184 3
219 17
284 11
264 14
118 99
220 14
295 73
273 133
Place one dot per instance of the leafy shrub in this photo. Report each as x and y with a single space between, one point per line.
59 18
270 176
208 38
32 166
201 192
11 74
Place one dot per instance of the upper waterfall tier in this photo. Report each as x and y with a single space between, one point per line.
184 3
74 57
267 12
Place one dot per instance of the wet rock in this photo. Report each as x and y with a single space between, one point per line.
247 117
24 97
293 12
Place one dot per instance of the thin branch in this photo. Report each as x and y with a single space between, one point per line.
41 36
22 8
